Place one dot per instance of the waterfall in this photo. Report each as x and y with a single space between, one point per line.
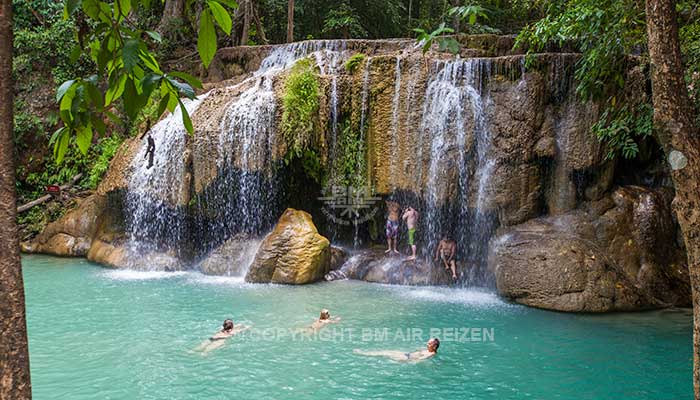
429 131
454 102
245 196
153 221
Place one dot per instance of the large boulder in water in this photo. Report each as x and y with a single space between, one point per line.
618 254
293 253
231 258
373 265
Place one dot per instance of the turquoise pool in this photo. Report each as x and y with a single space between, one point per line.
96 333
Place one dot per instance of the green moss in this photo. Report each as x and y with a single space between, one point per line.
354 62
300 123
350 166
105 152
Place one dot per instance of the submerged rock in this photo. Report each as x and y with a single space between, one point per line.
293 253
616 255
231 258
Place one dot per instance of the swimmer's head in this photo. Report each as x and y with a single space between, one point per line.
325 314
228 325
433 345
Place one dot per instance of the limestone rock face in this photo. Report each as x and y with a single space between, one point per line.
231 258
618 254
72 234
293 253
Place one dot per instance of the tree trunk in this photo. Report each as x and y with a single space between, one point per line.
260 32
673 116
290 21
246 8
456 22
14 356
172 10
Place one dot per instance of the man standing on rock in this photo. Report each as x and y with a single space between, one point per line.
392 226
411 217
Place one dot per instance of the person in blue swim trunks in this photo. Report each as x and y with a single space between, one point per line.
392 226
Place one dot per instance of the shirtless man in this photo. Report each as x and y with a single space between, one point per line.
411 218
323 320
446 250
399 356
219 338
392 225
150 149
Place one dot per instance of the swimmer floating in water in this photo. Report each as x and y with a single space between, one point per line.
219 338
323 320
399 356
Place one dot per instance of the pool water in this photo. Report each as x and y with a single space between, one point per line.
96 333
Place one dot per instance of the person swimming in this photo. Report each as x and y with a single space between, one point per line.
400 356
323 320
218 339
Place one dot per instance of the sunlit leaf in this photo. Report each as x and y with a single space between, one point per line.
206 41
221 16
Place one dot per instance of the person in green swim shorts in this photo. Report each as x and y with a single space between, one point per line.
411 218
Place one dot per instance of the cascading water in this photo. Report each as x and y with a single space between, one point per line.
439 155
153 221
452 92
245 196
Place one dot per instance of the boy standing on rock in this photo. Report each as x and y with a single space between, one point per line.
411 217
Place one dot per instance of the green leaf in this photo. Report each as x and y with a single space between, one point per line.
172 102
194 82
206 41
92 9
113 117
83 138
221 15
61 145
95 95
70 7
130 54
115 90
183 88
63 89
186 118
131 100
122 7
163 104
150 61
99 124
229 3
155 36
149 82
66 104
56 134
75 54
